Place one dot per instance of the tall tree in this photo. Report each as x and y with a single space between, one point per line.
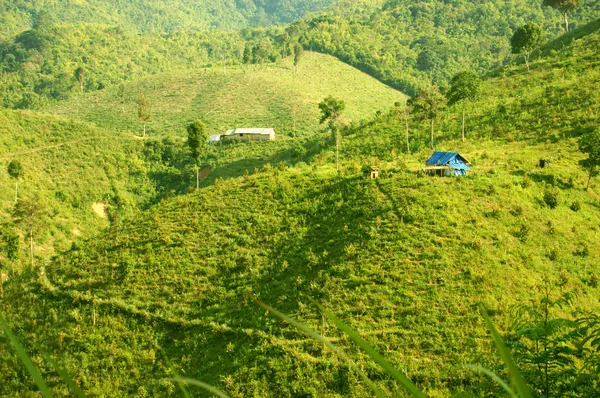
331 110
80 77
428 104
9 247
197 139
526 39
589 144
564 6
31 215
465 87
143 104
298 52
15 171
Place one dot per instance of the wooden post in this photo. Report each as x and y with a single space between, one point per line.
407 131
31 246
463 121
337 152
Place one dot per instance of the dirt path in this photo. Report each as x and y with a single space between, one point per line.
43 148
6 156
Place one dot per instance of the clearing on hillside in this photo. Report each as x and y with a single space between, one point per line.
242 96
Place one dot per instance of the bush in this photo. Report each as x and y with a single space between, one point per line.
576 206
551 198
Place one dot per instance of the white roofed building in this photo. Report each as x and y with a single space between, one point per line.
250 134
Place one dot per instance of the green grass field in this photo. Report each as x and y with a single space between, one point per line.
242 96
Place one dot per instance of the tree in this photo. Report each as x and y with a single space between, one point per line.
298 52
465 87
526 39
404 111
331 110
143 104
9 245
427 105
80 77
589 144
197 139
564 6
31 215
15 171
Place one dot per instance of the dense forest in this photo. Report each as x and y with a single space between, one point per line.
154 16
133 253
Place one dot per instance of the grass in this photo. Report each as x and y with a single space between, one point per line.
241 96
70 166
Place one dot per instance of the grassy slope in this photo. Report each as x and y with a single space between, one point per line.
404 260
70 165
267 95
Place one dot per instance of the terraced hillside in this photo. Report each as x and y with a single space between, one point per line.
255 95
403 259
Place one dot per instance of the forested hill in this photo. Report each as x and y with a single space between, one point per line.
405 42
155 15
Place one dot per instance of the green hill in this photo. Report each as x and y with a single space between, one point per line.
228 97
68 167
403 259
155 16
404 42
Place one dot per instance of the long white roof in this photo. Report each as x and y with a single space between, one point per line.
252 131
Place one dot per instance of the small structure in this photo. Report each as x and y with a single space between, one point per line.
250 134
449 164
544 163
214 139
371 172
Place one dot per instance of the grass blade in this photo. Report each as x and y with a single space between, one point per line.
33 371
65 377
322 339
496 378
181 386
385 365
200 384
515 375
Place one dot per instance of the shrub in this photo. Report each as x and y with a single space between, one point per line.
576 206
551 198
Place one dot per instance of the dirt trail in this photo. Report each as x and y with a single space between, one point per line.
43 148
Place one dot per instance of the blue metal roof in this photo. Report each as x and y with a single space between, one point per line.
452 159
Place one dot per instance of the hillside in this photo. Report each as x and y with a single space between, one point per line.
68 167
153 15
403 259
404 42
229 97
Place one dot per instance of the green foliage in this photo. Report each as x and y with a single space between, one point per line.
331 110
402 43
564 6
551 198
15 169
154 16
589 144
526 39
196 139
465 86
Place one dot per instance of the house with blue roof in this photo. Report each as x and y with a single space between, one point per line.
449 164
